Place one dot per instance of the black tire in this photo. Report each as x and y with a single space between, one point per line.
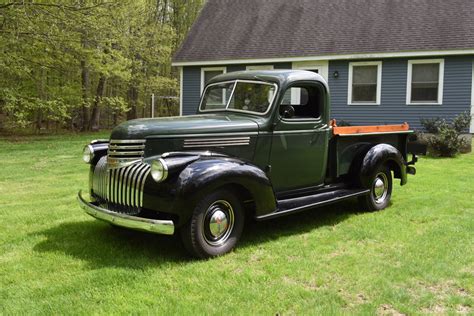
380 186
204 236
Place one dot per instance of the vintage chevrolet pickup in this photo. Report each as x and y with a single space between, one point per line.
262 145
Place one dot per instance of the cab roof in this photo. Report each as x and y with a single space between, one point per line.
281 77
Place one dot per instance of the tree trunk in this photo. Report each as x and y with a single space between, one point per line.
85 85
132 100
95 116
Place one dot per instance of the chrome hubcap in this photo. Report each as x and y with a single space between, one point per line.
380 188
218 223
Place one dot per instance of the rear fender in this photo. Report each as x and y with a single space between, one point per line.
382 154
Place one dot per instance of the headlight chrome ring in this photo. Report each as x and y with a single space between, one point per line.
159 170
88 154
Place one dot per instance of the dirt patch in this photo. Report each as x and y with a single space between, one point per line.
435 309
441 290
387 309
308 285
463 309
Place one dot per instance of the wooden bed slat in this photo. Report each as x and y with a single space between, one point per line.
344 130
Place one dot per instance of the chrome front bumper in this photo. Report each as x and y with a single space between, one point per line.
165 227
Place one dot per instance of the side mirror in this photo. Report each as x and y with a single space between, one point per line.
287 111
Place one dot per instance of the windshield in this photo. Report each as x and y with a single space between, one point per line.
238 95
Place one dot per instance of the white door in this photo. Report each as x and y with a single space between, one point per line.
319 67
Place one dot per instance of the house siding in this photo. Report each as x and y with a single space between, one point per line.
192 84
393 108
191 90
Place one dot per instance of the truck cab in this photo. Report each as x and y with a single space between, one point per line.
262 144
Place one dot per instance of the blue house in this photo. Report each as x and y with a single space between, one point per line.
386 61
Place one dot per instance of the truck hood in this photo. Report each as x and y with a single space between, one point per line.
193 124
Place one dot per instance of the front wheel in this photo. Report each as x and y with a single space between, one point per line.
380 191
215 226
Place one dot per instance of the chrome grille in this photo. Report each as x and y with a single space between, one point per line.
122 188
125 152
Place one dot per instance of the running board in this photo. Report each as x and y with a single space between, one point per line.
295 205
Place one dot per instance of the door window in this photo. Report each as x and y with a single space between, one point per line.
301 102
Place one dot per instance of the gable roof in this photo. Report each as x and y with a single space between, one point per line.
266 29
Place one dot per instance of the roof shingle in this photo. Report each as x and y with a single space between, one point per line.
244 29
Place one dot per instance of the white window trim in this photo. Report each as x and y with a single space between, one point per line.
203 70
260 67
440 80
379 82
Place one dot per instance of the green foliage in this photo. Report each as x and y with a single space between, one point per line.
23 112
116 104
461 122
58 58
432 125
447 140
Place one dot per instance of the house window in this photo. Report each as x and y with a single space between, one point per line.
365 81
209 73
425 81
260 67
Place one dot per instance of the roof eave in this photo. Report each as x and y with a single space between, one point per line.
452 52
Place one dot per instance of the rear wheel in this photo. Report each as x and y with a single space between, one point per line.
380 191
215 226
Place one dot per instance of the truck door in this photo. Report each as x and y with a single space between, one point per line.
298 155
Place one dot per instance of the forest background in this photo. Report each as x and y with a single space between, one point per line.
88 65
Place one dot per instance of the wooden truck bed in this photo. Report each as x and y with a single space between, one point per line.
349 141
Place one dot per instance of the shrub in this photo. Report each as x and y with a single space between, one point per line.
432 125
462 122
447 140
416 136
343 123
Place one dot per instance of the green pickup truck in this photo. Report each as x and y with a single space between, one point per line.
261 145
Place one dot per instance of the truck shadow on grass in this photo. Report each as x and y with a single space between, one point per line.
102 245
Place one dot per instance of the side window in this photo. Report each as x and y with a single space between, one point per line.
301 102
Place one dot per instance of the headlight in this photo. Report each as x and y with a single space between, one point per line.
88 154
159 170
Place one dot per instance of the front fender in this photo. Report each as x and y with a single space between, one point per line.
382 154
206 175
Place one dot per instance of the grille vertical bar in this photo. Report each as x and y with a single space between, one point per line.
100 177
120 188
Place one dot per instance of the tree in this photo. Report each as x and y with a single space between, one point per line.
66 64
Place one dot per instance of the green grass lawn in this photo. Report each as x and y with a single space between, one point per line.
417 256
